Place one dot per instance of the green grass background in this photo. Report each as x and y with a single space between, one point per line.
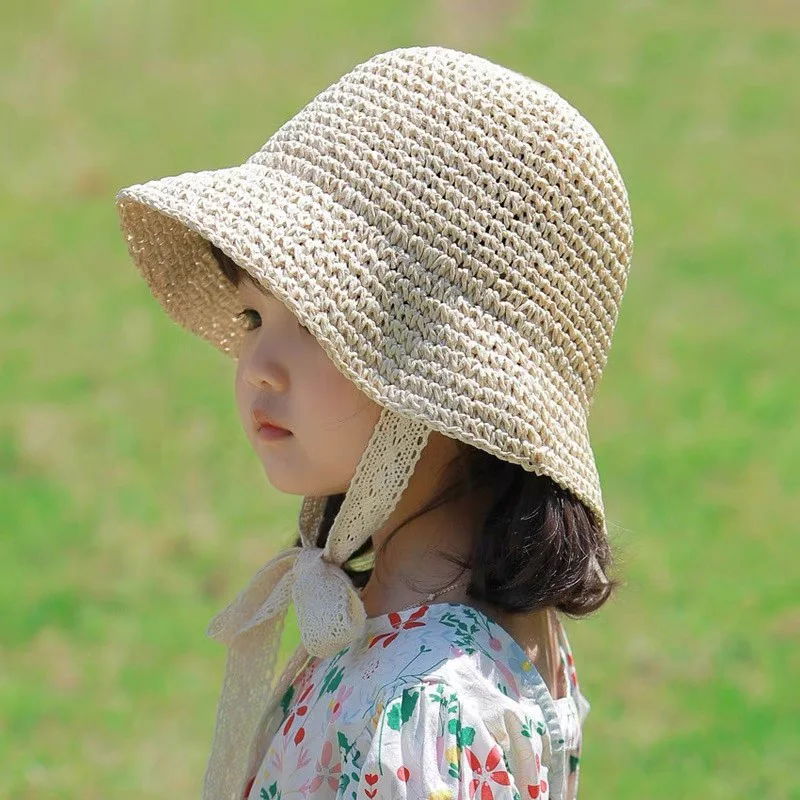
132 508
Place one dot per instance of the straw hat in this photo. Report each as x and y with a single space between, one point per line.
457 237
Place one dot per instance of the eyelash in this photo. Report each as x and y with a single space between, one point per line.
248 328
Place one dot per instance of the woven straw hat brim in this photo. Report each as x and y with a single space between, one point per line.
337 273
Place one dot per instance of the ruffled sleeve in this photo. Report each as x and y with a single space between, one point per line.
429 742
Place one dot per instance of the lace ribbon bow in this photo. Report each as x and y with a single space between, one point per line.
330 615
329 610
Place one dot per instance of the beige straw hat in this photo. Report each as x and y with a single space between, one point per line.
457 237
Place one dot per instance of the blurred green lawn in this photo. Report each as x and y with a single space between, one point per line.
132 508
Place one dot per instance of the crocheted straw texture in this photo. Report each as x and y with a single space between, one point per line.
455 235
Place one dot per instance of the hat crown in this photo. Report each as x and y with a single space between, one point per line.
504 203
454 233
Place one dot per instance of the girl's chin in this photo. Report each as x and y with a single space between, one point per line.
284 481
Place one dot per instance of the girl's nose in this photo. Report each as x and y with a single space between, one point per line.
262 368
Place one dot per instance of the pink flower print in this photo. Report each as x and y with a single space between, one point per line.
510 679
455 652
439 749
335 705
325 771
398 623
495 643
484 780
305 787
276 757
303 757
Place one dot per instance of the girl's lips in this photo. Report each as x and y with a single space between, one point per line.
261 420
271 433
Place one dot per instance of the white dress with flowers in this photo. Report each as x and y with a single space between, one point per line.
436 702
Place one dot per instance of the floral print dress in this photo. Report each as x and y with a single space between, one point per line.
437 702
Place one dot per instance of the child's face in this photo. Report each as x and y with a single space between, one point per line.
283 372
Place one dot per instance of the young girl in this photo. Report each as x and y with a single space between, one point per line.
418 276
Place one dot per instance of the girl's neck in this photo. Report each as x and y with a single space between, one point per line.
410 566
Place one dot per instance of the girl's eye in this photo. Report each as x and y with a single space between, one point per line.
253 318
249 314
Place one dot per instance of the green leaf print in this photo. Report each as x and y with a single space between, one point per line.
452 706
408 705
573 763
464 634
356 777
401 710
286 699
393 718
437 696
271 793
345 748
464 734
528 725
330 683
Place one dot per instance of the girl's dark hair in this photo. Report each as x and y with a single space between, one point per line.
227 266
535 546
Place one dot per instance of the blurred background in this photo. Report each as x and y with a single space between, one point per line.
132 508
